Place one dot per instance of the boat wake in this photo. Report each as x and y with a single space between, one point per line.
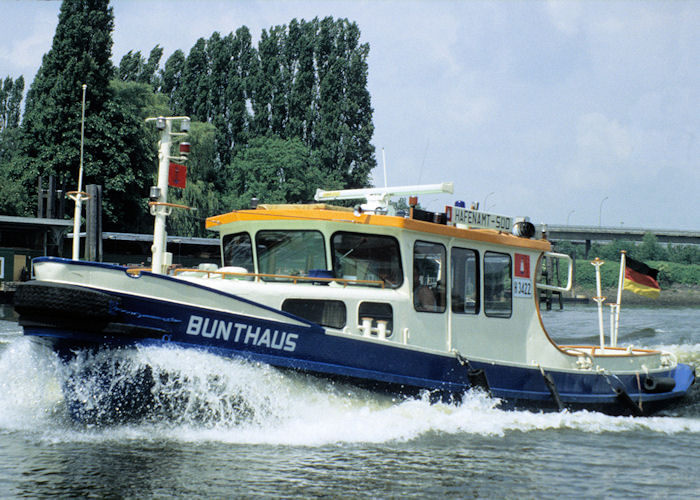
195 396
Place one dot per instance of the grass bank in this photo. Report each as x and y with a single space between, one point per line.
680 283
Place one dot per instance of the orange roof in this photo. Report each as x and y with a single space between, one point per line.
322 212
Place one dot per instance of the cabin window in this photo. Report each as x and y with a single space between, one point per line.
372 259
429 277
238 251
465 281
498 297
330 313
377 311
282 254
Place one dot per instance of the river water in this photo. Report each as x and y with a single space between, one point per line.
299 437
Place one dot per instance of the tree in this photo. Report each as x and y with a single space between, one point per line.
311 83
344 126
12 173
134 68
131 145
11 93
650 249
267 91
191 97
203 191
80 54
274 170
171 76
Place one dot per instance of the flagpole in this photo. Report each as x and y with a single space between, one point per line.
623 265
78 196
599 300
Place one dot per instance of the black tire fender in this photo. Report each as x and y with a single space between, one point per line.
59 299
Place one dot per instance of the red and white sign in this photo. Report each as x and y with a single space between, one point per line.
522 265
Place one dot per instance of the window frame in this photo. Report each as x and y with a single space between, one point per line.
477 282
419 291
281 276
488 289
225 239
392 239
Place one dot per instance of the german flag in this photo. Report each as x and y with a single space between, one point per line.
641 279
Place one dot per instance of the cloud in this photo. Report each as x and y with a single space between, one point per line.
30 39
565 16
600 138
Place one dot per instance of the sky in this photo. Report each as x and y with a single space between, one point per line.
586 113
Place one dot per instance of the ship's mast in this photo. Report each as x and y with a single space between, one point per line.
158 195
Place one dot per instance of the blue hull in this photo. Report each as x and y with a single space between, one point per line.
127 320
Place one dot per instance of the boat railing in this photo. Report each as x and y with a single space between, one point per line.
570 273
295 279
597 351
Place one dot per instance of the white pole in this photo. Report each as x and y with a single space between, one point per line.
161 211
599 299
613 308
623 265
79 196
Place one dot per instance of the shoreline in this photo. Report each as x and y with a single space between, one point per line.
675 295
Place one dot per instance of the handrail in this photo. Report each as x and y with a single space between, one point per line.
544 286
294 279
171 205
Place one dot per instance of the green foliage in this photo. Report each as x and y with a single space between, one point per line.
609 274
274 170
648 250
130 144
307 81
134 68
677 264
274 121
204 184
80 54
670 273
13 177
11 93
684 254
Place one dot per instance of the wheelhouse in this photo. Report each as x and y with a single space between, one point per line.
383 277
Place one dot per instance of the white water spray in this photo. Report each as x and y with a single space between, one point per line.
200 397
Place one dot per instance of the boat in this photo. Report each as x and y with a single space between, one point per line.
413 303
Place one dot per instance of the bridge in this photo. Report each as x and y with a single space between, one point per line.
588 234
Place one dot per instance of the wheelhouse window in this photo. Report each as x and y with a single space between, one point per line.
367 258
429 277
498 296
465 281
238 251
289 253
330 313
